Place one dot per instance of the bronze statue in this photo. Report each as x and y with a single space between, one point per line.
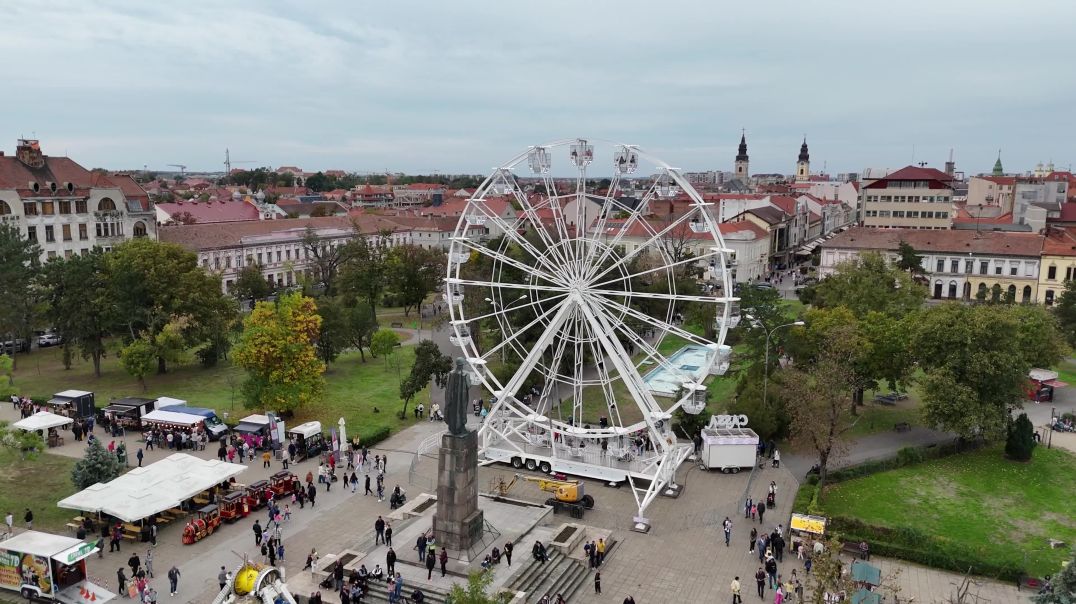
457 393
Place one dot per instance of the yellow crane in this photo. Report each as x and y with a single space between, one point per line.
566 493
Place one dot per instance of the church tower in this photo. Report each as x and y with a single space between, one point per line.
998 170
803 164
743 172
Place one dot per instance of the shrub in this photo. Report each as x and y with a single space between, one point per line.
1021 439
806 496
909 455
370 436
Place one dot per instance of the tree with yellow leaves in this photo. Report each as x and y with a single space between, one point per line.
277 350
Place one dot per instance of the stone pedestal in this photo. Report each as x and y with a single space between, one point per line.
458 522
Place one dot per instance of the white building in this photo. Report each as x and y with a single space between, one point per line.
66 208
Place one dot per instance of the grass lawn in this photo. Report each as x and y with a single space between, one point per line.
37 484
353 389
1004 510
1066 372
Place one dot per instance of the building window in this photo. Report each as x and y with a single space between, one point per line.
227 262
952 289
66 229
997 269
4 208
259 258
51 254
31 233
1051 272
65 207
139 229
106 205
1013 269
68 253
954 266
279 255
967 266
898 214
941 265
29 208
1049 297
83 235
983 267
80 206
1068 274
50 234
47 208
1027 294
216 263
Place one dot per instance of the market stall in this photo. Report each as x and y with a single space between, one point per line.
128 412
49 567
149 490
44 422
73 403
803 528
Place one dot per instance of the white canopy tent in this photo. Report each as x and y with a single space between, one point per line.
152 489
172 417
42 420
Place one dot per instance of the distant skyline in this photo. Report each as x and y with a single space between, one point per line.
457 87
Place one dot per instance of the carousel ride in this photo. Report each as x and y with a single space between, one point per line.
561 293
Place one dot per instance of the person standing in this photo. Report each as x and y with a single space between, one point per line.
597 582
311 493
9 520
397 588
388 534
747 508
390 561
379 530
601 551
431 562
760 581
29 518
754 537
727 526
122 580
508 552
139 455
222 577
257 533
149 563
134 563
734 587
420 545
173 580
761 511
443 560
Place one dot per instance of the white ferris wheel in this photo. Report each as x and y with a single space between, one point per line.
567 296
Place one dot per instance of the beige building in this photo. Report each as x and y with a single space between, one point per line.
67 209
1058 263
910 198
991 191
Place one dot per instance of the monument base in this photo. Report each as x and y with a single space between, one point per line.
458 523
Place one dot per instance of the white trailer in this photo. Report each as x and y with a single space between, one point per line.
49 567
728 449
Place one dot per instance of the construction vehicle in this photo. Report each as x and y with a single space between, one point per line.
567 494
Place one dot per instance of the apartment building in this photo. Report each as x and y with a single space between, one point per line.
910 198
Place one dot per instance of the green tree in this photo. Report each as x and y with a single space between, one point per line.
335 334
326 257
762 310
414 272
1021 440
476 591
869 283
364 272
251 284
28 443
98 465
1065 311
429 364
138 359
19 267
277 350
383 342
1064 587
7 376
908 260
154 283
79 303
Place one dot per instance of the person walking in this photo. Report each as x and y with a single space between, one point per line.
368 491
311 493
754 537
601 551
134 563
266 456
390 561
431 562
771 570
122 580
257 533
597 582
138 456
379 530
222 577
747 508
761 511
508 552
444 561
173 580
734 587
727 526
760 581
149 563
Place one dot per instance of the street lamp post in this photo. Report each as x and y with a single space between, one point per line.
766 370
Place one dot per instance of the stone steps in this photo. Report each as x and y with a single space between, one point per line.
527 578
379 593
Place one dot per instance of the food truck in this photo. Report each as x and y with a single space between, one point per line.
76 404
128 412
213 425
49 567
1041 384
309 440
268 426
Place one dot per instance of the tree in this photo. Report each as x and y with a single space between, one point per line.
79 303
326 256
19 266
138 359
154 283
1021 440
1065 311
383 342
909 261
976 360
364 272
1064 587
277 350
7 376
97 466
430 363
475 592
335 334
819 396
766 311
250 284
28 443
414 272
868 283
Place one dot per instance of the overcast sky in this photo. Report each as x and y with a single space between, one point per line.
460 86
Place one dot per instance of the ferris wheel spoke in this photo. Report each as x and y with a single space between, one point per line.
520 307
521 241
661 296
529 213
603 216
492 285
620 359
517 333
646 244
636 214
497 255
662 325
658 269
651 352
612 405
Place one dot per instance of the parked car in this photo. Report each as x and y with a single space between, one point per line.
50 339
16 345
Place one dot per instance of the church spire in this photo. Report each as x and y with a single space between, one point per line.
804 155
998 170
743 165
742 154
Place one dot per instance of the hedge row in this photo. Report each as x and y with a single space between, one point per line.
919 547
907 456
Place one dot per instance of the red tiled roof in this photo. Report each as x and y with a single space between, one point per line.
950 241
424 186
1068 213
963 216
209 212
785 203
918 173
729 228
1059 242
1001 180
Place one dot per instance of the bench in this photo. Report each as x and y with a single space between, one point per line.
73 526
397 324
852 549
902 426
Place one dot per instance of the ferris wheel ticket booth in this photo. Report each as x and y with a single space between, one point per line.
51 568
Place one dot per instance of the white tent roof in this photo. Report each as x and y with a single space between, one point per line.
72 393
173 417
166 401
42 420
151 489
39 544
